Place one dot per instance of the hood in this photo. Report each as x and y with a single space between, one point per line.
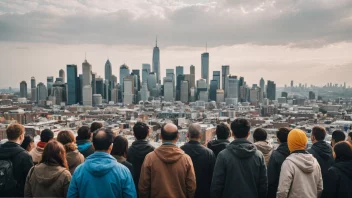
10 149
264 147
141 148
46 175
283 149
242 148
193 149
99 163
323 149
305 162
73 158
218 143
83 145
169 154
345 167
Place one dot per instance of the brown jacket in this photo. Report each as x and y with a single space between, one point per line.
74 158
36 154
167 172
47 181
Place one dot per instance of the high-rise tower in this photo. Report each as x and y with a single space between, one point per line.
156 61
205 66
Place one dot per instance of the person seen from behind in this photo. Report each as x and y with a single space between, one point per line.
223 134
300 173
28 143
51 177
45 136
119 151
167 171
337 136
349 138
260 137
83 140
240 169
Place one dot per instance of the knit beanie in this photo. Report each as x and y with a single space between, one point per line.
297 140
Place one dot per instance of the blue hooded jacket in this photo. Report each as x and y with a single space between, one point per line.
102 176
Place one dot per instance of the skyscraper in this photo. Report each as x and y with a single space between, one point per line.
151 81
145 72
42 92
108 70
202 90
192 70
137 82
33 85
87 73
271 90
168 89
62 75
124 72
144 92
225 72
179 70
156 61
72 85
213 88
128 90
59 93
205 66
49 84
231 87
179 79
99 84
23 89
184 91
216 76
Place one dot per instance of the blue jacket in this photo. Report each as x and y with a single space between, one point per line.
101 176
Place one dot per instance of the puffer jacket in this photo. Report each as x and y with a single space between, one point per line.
266 149
300 177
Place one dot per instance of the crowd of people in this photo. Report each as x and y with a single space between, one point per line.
97 163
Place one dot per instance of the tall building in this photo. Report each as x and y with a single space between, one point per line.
108 71
144 92
99 84
213 88
72 85
128 90
179 79
156 61
231 87
271 90
23 89
42 92
33 84
254 95
59 92
311 95
184 91
87 95
262 88
225 69
151 81
62 75
93 84
137 79
114 95
202 90
49 84
284 94
220 96
87 91
124 72
205 66
179 70
168 89
113 81
216 76
87 73
192 70
291 83
145 72
171 74
80 79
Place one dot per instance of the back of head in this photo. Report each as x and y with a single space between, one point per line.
240 128
83 133
169 132
338 136
194 131
282 134
26 141
319 133
140 130
120 146
95 126
54 154
297 140
67 139
343 151
222 131
102 139
260 134
350 135
14 131
46 135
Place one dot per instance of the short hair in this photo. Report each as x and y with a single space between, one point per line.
240 127
338 136
260 134
343 151
194 131
102 139
46 135
83 133
27 140
14 131
282 134
319 133
168 135
95 126
120 146
140 130
54 154
350 134
67 139
222 131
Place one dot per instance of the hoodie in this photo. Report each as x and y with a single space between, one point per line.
266 148
167 172
300 176
101 176
36 154
74 158
203 161
218 145
47 181
239 171
85 147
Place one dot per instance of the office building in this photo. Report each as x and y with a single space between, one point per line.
62 75
49 84
220 96
137 82
271 90
311 95
156 61
179 70
216 76
114 95
59 92
145 72
97 100
192 70
212 90
284 94
87 95
231 87
33 84
94 84
124 72
99 84
179 79
113 81
72 85
254 95
23 89
168 89
151 81
184 91
128 90
108 71
225 71
42 92
87 73
202 90
144 92
205 67
262 88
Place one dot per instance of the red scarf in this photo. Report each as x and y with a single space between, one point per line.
41 144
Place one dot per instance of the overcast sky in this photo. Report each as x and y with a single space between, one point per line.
308 41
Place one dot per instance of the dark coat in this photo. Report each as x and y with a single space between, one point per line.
240 171
339 181
217 145
322 151
203 162
85 147
21 162
274 168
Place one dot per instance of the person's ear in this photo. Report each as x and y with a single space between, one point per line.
249 133
187 135
110 148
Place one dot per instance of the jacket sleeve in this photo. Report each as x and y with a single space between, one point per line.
190 179
212 161
66 182
73 188
273 172
144 184
320 183
263 179
219 177
129 189
331 185
26 164
28 187
286 178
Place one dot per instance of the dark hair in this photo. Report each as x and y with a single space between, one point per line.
240 127
83 133
168 135
260 134
140 130
46 135
54 154
95 126
282 134
338 136
319 133
67 139
343 151
14 131
102 139
27 140
350 134
120 146
222 131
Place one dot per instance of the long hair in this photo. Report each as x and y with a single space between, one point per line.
54 154
68 140
120 146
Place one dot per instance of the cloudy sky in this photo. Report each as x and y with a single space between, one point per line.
308 41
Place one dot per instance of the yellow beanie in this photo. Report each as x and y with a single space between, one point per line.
297 140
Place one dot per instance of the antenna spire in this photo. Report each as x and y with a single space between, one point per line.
206 46
85 56
156 41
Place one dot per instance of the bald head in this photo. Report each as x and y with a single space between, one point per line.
103 139
169 132
194 131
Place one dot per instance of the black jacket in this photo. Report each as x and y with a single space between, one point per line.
322 151
203 162
240 171
339 181
136 154
21 162
217 145
274 168
85 147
